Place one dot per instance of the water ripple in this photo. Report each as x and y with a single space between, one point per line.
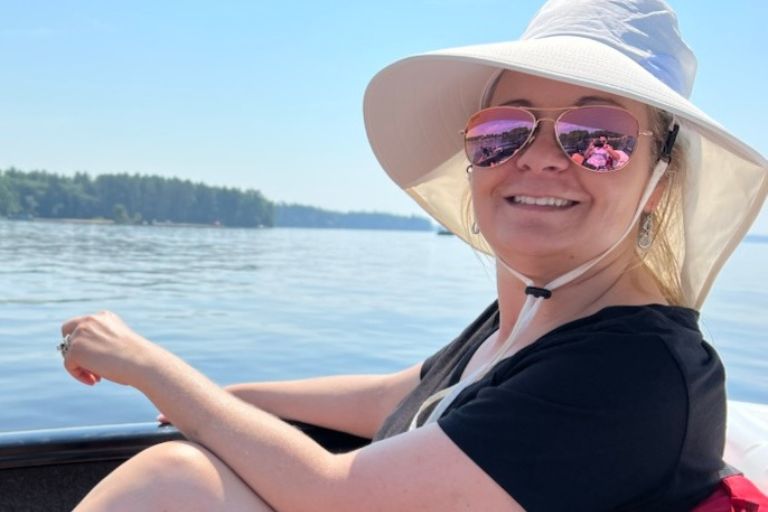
274 304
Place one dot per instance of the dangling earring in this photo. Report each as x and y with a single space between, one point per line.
645 236
473 227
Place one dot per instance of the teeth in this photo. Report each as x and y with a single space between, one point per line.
542 201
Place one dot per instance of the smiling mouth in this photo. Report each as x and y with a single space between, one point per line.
550 202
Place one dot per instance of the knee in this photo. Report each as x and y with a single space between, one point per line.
179 472
177 455
181 464
177 475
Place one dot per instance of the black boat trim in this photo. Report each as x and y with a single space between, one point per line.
118 442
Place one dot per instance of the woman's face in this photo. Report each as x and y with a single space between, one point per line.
592 209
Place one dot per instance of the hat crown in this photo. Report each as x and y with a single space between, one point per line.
644 30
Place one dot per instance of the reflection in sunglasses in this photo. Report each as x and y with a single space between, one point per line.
598 138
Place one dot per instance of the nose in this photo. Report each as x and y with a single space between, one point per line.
543 152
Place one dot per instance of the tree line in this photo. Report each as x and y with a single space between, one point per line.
129 198
133 198
296 215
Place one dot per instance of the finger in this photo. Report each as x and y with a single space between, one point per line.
70 325
86 377
80 373
162 419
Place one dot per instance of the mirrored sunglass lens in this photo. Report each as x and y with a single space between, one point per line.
493 137
598 138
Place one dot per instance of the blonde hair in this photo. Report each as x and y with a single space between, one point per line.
663 258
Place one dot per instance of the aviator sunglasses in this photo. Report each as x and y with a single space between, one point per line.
598 138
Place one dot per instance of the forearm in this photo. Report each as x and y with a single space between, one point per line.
421 469
357 404
272 457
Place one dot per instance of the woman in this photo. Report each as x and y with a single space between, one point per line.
601 156
585 386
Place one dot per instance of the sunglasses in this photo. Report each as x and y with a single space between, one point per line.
598 138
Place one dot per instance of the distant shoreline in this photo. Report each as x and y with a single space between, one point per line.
107 222
754 238
164 224
68 221
133 199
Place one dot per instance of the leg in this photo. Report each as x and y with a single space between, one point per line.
173 476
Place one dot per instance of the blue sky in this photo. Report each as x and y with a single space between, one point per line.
215 91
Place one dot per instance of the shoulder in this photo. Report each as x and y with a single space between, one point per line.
622 332
608 391
647 319
645 355
627 358
667 337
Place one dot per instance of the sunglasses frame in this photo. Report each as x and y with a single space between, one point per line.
534 130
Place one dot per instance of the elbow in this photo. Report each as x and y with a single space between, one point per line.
327 488
340 491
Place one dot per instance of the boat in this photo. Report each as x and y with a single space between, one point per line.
51 470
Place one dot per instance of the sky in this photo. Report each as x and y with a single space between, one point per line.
268 95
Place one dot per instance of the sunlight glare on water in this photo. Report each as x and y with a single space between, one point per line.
274 304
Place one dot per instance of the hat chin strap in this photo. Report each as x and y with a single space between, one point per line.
566 278
534 295
534 298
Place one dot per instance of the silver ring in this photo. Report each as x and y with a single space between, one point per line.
63 347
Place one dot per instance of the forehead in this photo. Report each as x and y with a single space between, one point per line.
528 90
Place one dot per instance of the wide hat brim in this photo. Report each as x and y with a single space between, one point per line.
416 108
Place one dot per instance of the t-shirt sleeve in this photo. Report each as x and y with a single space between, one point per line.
556 430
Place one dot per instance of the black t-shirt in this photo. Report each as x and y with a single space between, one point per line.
621 410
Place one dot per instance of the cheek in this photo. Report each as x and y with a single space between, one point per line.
619 194
482 183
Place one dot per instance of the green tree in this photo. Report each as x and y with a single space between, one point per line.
120 214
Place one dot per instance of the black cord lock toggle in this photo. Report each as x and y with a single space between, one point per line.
669 143
538 292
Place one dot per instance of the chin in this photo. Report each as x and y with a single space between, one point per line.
531 252
539 241
546 252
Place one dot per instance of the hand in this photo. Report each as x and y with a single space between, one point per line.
101 345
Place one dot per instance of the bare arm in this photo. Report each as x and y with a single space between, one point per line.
419 470
613 153
357 404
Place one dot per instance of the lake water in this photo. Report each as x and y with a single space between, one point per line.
275 304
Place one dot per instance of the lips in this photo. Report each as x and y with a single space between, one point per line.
549 202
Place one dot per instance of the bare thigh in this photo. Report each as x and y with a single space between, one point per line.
173 476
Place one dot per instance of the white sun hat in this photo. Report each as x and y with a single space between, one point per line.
416 108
